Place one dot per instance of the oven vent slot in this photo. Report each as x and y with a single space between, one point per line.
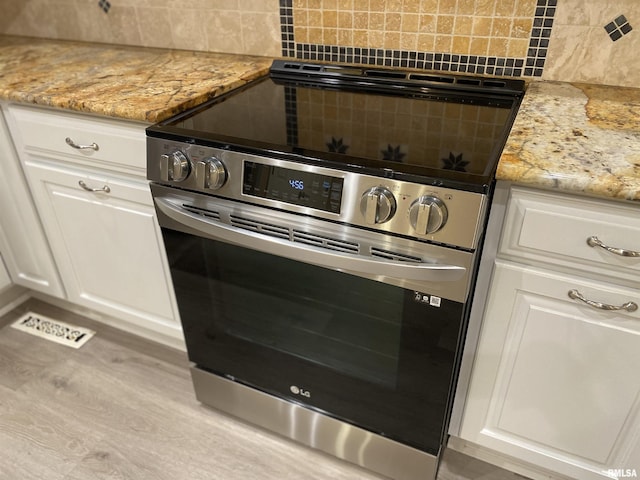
201 211
260 227
385 74
469 81
463 81
395 256
432 78
325 242
494 83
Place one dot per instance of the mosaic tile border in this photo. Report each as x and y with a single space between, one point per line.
540 35
286 27
532 65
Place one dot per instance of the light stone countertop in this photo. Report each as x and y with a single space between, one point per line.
576 138
133 83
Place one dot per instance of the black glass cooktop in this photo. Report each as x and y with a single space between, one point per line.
442 129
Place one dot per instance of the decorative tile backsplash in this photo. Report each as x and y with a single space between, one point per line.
581 48
568 40
105 5
233 26
476 36
619 27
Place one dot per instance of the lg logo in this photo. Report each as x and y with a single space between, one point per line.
300 391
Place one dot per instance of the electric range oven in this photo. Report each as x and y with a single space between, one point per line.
323 227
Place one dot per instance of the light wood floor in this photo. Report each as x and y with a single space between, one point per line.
123 408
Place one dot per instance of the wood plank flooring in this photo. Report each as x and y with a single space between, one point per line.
123 408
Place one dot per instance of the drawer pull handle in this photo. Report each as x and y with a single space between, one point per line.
104 189
629 306
594 241
71 143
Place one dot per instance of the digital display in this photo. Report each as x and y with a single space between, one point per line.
307 189
297 184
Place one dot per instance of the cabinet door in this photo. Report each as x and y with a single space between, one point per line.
107 244
555 381
24 246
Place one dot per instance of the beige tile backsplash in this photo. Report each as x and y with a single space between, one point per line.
579 48
478 27
581 51
233 26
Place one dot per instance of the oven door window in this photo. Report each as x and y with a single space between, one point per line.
374 355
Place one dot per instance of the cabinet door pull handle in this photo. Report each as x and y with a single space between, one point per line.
71 143
629 306
594 241
104 189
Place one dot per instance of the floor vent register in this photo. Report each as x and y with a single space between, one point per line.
54 330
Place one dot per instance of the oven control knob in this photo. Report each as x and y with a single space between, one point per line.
210 173
427 214
174 167
377 205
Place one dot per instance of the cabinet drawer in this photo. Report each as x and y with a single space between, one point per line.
554 229
119 144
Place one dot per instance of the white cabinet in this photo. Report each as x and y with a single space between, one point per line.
555 381
98 215
22 241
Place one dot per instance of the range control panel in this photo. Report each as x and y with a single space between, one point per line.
443 215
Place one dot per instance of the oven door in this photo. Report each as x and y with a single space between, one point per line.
286 304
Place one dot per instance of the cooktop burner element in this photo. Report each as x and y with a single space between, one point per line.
448 130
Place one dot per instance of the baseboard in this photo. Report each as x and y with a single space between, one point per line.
14 296
11 297
503 461
137 330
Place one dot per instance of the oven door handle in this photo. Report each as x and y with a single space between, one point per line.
372 268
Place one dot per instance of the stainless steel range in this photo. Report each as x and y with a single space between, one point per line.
323 227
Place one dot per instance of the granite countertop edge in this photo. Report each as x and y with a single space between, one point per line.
130 83
569 137
576 138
